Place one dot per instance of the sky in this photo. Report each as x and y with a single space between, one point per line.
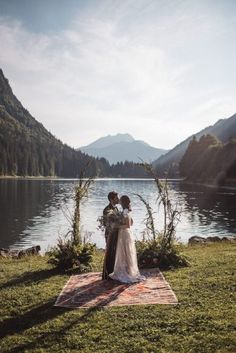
160 70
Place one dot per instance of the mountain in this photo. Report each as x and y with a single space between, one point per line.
168 164
122 147
106 141
28 149
210 160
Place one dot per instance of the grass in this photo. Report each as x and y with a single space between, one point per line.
204 321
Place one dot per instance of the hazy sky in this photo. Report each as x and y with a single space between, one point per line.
160 70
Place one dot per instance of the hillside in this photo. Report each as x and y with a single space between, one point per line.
28 149
209 160
121 148
224 129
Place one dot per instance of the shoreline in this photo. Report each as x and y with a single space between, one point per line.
17 177
230 185
199 240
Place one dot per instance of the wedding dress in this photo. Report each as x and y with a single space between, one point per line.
126 265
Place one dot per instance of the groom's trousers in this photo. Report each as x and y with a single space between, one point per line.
110 254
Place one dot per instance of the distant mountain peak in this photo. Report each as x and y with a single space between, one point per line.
121 148
124 136
109 140
121 135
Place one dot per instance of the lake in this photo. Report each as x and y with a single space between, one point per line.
36 211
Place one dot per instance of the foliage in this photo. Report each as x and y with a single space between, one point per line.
149 220
151 254
72 251
202 322
68 255
160 248
127 170
209 160
81 192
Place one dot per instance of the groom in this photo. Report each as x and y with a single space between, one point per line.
111 234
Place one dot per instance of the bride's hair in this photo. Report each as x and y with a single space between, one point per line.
125 202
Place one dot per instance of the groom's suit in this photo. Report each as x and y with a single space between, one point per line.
111 242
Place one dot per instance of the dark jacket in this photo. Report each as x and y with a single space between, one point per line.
106 211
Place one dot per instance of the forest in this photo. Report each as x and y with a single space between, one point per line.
209 160
28 149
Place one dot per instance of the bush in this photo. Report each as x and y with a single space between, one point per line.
161 250
151 254
68 255
73 252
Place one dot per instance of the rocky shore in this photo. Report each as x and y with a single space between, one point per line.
17 254
200 240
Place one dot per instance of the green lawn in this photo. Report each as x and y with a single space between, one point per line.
204 321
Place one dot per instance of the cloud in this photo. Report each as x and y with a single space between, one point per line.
120 67
87 76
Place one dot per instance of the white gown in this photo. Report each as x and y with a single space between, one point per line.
126 264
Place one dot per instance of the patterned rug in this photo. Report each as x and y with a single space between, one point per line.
89 290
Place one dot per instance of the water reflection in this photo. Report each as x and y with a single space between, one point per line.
214 209
24 203
33 211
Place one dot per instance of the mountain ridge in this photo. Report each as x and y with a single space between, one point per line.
209 160
27 148
223 129
122 147
108 140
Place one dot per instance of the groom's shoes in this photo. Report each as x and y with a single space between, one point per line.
106 278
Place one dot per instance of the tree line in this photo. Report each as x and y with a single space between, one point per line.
209 159
26 151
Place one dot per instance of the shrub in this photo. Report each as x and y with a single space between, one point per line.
150 254
160 249
68 255
73 252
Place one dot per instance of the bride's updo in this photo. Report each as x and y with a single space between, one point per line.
125 202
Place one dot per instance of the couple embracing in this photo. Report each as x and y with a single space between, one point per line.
120 262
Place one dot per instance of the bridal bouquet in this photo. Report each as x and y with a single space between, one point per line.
113 219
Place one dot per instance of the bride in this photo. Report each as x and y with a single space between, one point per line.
126 266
